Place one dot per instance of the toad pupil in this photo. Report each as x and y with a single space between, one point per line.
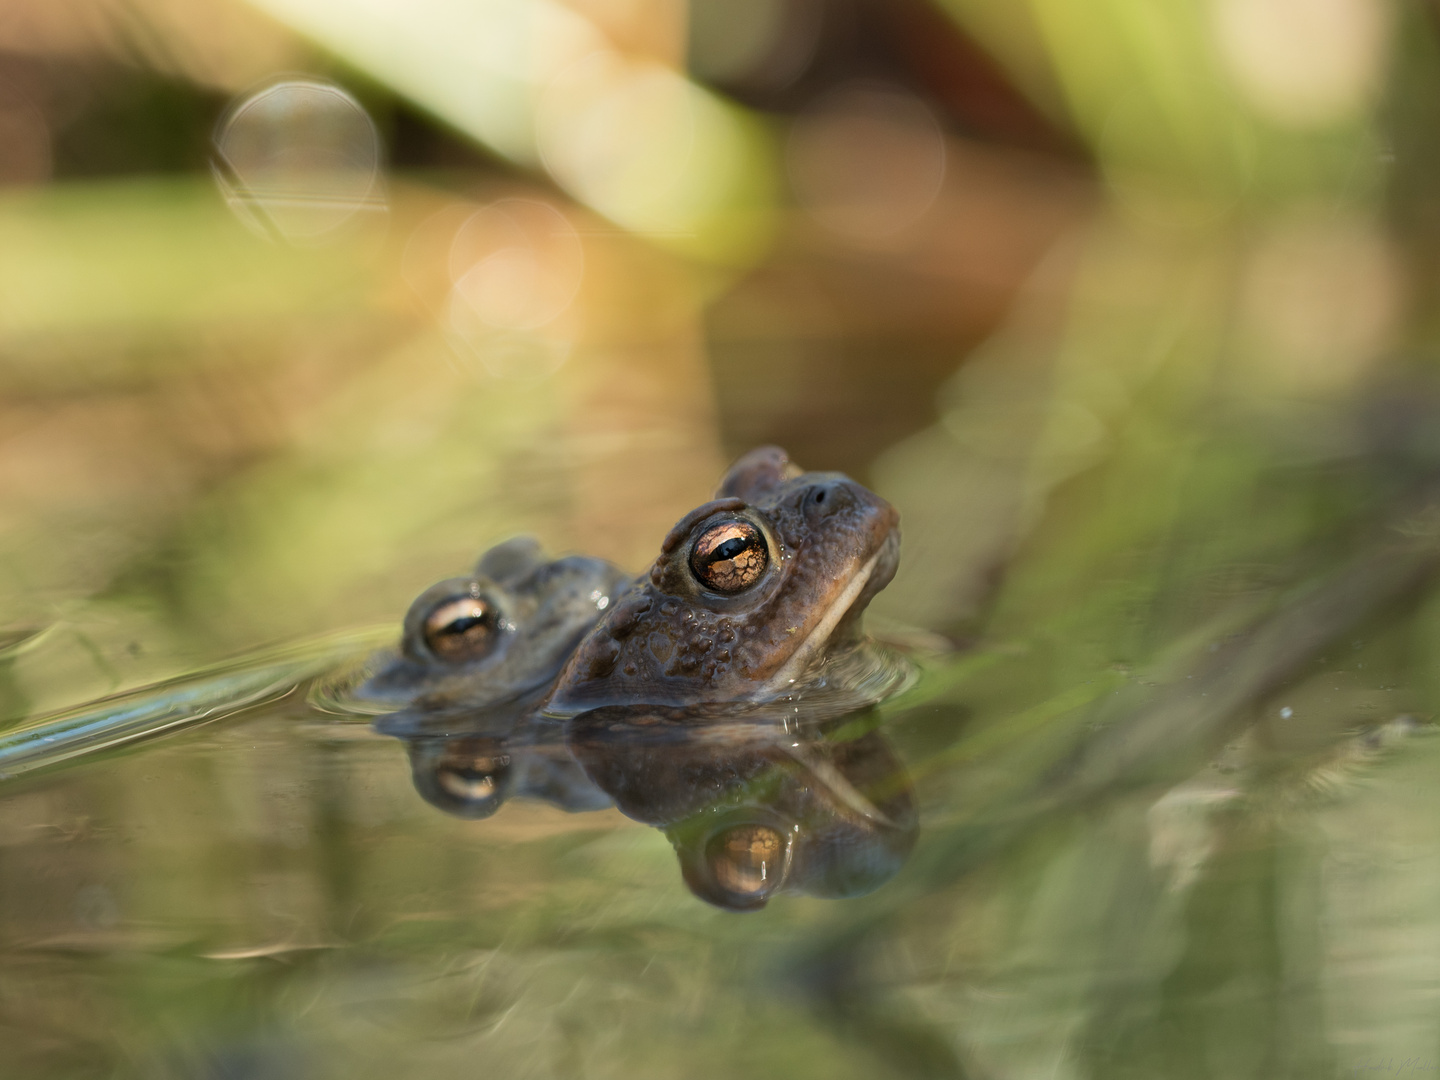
728 550
462 625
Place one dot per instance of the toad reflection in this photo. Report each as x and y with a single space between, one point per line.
752 806
472 773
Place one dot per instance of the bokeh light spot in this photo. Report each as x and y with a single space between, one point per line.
500 280
1304 63
658 155
517 264
620 134
1321 296
299 159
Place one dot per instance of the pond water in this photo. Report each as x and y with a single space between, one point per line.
1225 862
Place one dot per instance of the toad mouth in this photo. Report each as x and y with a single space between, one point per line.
790 672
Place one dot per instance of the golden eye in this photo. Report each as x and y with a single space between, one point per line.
729 557
748 860
461 629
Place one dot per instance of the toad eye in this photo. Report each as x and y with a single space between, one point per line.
747 861
729 557
472 779
461 629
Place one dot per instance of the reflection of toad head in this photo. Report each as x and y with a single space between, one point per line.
473 775
467 777
751 810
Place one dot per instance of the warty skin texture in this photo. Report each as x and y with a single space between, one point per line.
831 545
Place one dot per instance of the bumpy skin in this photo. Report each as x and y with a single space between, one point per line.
544 607
672 641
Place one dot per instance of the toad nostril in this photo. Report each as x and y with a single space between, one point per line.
825 499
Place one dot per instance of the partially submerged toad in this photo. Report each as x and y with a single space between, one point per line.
499 634
477 657
751 592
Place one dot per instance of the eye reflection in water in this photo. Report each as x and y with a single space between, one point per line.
471 767
465 777
754 801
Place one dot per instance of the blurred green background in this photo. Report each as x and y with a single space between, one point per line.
1128 307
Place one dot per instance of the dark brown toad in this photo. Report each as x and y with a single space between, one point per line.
750 593
501 633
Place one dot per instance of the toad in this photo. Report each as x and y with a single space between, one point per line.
499 634
751 594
